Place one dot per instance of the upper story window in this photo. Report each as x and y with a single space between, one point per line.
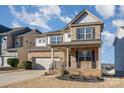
41 41
86 33
18 42
69 35
85 55
3 40
56 39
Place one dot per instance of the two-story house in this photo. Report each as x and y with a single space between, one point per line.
119 52
78 45
14 44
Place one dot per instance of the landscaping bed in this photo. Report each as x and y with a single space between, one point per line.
53 82
80 78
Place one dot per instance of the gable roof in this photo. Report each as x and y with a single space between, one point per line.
80 14
4 29
28 31
116 37
17 31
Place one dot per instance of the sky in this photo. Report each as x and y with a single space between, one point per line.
52 18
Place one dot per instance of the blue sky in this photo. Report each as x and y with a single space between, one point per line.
51 18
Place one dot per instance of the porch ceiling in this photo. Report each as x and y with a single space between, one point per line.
89 43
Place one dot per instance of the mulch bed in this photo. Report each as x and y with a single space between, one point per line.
80 78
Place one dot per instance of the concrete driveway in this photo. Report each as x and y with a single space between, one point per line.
8 78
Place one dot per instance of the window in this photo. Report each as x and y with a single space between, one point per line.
41 41
69 35
85 55
85 33
18 42
56 39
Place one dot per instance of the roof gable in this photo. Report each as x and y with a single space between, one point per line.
85 17
4 29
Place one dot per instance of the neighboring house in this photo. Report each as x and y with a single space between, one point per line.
14 44
108 69
78 46
119 52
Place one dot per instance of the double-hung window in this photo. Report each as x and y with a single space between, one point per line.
85 55
41 41
56 39
85 33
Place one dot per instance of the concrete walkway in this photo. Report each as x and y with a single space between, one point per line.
8 78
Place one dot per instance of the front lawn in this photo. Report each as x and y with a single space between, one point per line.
53 82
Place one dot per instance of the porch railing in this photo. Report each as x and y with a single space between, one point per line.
57 65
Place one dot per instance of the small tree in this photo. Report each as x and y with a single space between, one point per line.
13 62
27 64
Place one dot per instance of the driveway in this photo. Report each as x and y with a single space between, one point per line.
8 78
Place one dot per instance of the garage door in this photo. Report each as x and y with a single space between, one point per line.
42 63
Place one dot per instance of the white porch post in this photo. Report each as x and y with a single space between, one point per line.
52 54
99 51
67 58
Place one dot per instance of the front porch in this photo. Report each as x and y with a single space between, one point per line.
83 59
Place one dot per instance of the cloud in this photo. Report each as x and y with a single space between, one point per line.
53 11
65 19
40 17
16 24
121 8
106 10
107 38
30 18
118 22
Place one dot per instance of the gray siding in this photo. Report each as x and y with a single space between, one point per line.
119 55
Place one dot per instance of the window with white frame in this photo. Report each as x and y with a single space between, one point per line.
85 55
41 41
85 33
56 39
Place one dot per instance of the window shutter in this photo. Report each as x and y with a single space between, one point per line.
93 32
77 55
93 60
77 34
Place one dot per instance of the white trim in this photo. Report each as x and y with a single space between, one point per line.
74 19
52 54
67 59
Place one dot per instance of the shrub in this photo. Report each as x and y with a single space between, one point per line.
46 73
65 72
20 65
13 62
27 64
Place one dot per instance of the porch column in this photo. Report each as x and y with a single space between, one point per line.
52 54
99 51
67 58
